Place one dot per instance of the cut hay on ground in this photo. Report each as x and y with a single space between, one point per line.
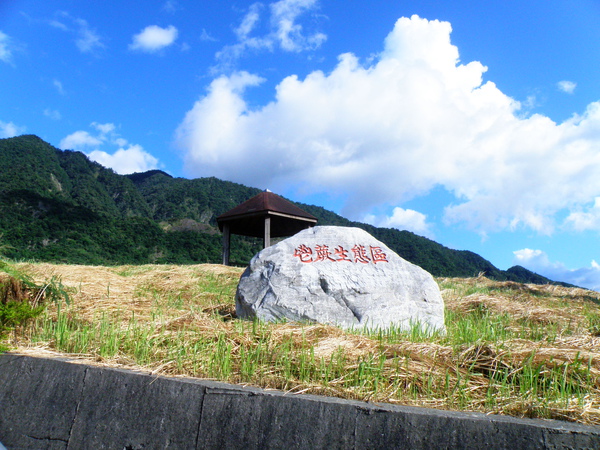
180 321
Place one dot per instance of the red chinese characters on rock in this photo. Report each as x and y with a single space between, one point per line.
304 253
358 254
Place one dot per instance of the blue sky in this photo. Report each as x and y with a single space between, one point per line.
476 124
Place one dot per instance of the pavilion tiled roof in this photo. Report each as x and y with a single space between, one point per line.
247 219
266 201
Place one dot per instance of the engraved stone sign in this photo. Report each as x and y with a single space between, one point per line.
341 276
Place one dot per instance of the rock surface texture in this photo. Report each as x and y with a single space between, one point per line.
341 276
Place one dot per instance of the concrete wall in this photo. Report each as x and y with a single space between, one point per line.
51 403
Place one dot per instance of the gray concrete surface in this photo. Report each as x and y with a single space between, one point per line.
53 403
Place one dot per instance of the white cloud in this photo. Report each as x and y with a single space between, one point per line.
104 128
413 119
128 158
218 113
79 140
289 33
284 32
171 6
9 129
52 114
87 39
5 48
124 161
59 86
566 86
206 37
533 258
585 220
58 24
154 38
248 22
530 102
403 219
538 261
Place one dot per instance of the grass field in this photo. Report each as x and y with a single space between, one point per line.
522 350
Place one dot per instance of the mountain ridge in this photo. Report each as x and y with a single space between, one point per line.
59 206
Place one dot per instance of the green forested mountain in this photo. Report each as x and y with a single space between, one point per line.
59 206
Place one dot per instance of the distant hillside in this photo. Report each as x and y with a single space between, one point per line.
59 206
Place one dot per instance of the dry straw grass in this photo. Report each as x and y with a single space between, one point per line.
523 350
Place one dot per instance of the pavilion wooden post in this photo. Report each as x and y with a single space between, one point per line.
267 236
226 244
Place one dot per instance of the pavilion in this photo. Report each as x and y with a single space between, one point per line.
265 215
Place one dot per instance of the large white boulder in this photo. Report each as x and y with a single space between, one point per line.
341 276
